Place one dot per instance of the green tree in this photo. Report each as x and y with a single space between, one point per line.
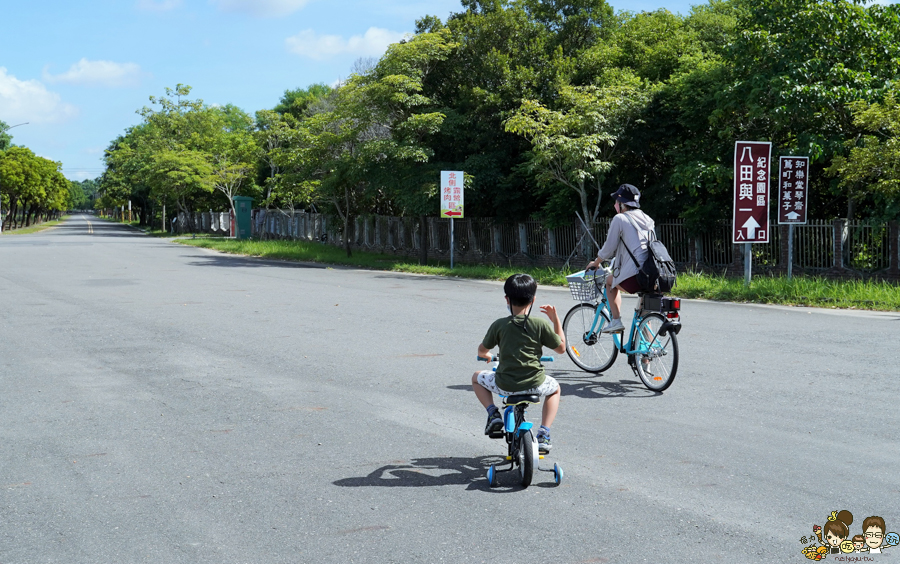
5 137
577 145
575 25
795 88
502 56
872 166
298 102
31 184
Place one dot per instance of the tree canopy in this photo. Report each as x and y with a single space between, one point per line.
548 106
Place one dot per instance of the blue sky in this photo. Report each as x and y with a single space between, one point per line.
78 71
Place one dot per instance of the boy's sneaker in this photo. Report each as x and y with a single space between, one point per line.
543 440
494 422
614 326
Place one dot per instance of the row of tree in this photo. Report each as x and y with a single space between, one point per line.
548 105
32 188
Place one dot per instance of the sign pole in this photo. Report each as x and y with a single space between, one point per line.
793 198
750 222
748 256
451 243
790 250
452 182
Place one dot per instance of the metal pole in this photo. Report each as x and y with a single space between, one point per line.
747 260
451 243
790 250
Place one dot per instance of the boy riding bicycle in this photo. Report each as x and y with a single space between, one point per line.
521 341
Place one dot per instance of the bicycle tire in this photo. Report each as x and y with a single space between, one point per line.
656 356
595 354
526 458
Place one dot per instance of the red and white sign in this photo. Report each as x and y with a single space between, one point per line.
452 194
793 180
751 192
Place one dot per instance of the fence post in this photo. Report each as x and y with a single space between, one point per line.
737 263
377 231
894 261
497 238
523 239
551 242
839 238
435 235
585 242
785 247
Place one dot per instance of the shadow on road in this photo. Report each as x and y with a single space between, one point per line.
231 261
443 471
576 383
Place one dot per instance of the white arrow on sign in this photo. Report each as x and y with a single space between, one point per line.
792 216
751 226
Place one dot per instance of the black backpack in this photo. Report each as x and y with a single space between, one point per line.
657 274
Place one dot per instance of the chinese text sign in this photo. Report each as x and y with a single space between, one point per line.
793 181
452 194
751 192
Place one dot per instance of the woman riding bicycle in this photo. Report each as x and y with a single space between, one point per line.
629 228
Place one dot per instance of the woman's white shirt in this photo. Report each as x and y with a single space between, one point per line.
622 230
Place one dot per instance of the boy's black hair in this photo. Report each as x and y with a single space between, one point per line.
520 289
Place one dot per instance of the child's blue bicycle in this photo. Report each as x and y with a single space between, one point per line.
652 346
522 446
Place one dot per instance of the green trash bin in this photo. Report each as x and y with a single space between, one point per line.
242 207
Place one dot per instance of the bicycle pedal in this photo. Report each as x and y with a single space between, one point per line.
496 435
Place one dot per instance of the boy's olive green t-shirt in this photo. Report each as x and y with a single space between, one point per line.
520 351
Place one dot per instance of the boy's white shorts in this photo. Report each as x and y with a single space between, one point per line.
486 379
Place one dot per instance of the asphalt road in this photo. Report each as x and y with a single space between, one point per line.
167 404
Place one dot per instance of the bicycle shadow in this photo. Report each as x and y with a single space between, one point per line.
576 383
441 471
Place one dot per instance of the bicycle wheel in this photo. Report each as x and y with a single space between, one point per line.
592 353
656 356
526 458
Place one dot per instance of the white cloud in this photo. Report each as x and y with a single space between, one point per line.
29 100
80 175
373 43
261 8
157 5
99 73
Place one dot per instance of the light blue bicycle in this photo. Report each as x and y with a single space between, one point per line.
522 446
652 346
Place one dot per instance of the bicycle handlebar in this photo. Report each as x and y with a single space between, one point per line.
497 357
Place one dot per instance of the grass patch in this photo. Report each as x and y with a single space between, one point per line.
34 228
801 291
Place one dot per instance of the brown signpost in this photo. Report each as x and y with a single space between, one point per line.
751 196
793 179
793 203
751 192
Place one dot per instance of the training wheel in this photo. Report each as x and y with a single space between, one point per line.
492 476
557 473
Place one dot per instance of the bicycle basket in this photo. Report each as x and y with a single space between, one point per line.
585 286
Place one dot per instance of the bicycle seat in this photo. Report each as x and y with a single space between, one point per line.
516 399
